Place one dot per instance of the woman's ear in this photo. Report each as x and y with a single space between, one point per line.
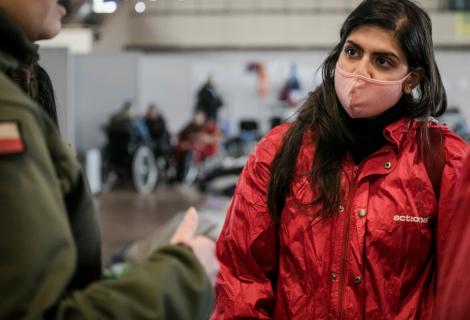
413 80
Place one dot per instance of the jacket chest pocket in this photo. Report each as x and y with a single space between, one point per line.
400 222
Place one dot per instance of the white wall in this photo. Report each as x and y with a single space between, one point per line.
166 80
103 81
455 71
59 64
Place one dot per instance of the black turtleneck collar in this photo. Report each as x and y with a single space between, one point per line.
367 134
15 49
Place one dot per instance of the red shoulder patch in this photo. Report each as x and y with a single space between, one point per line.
11 141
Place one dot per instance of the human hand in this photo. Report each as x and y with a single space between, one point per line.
203 247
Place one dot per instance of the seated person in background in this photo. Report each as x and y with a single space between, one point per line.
126 122
125 133
198 141
158 131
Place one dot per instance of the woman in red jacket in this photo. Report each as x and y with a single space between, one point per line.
341 214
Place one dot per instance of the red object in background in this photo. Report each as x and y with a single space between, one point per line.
263 83
206 147
202 140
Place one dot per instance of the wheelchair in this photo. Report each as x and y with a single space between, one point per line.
127 158
245 142
221 178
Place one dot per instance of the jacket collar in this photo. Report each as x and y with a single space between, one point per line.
15 49
395 131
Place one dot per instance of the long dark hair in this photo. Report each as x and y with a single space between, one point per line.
412 28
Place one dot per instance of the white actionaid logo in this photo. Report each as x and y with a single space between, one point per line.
411 219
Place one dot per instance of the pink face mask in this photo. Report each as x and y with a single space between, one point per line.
363 97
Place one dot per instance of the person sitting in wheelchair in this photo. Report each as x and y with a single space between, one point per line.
157 128
128 137
197 142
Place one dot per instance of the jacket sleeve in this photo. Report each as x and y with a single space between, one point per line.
171 284
37 248
448 222
247 245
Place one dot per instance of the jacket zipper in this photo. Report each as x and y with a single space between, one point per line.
345 247
346 235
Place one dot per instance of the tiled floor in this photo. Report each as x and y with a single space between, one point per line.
126 216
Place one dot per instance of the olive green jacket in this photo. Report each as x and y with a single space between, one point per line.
49 235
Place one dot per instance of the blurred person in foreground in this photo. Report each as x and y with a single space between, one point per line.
344 213
50 242
453 283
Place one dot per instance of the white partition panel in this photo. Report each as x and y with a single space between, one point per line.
104 81
58 62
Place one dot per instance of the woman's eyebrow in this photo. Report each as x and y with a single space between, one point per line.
377 53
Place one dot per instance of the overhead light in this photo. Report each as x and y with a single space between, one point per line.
84 10
102 6
139 7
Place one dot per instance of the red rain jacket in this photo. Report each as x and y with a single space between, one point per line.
453 299
375 260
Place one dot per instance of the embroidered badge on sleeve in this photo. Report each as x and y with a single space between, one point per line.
11 141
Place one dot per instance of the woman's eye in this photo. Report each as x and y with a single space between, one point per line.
381 61
350 51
